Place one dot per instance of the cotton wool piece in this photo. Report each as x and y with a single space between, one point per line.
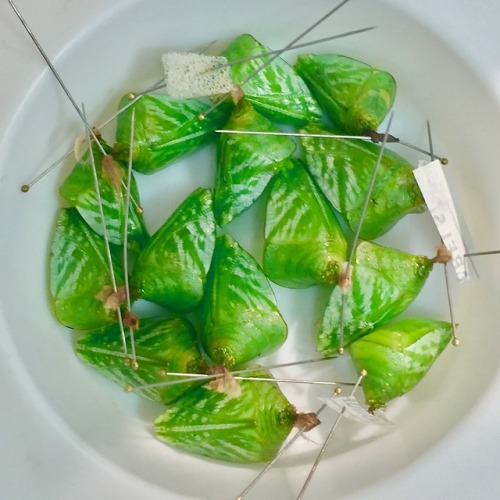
190 75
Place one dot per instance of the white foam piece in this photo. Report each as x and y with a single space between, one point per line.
196 75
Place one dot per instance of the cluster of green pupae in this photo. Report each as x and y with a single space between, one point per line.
187 267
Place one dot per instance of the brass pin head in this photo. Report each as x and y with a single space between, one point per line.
139 210
444 161
131 96
134 364
25 188
363 373
126 361
338 390
455 341
162 372
340 351
128 387
201 117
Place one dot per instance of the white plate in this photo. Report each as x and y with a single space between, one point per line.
66 433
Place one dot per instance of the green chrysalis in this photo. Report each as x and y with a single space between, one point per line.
397 356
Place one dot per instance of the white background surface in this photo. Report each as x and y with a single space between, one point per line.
38 460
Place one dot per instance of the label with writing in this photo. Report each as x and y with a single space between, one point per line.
351 409
436 192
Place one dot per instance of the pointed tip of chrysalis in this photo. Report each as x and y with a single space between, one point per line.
224 382
237 93
345 278
307 421
443 255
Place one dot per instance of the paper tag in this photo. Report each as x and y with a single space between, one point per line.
354 411
195 75
432 183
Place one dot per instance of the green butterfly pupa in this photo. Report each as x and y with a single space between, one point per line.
246 163
80 191
304 243
165 130
240 318
79 272
397 356
248 428
356 96
161 346
384 283
276 91
172 269
343 169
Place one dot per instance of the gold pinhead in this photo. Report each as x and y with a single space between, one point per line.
363 373
444 161
131 96
128 387
162 372
340 351
126 361
25 188
455 341
338 390
139 210
201 117
134 364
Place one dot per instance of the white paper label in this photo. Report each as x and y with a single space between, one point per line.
432 183
190 75
354 411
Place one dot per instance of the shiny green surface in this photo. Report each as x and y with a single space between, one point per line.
356 96
248 428
78 271
79 190
241 320
172 269
384 283
246 163
304 243
343 169
160 345
397 357
276 91
165 129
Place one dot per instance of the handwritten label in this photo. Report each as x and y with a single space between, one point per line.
351 409
436 192
195 75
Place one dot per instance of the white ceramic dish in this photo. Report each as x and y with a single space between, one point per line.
67 433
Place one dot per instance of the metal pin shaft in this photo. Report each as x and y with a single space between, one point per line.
360 225
125 234
327 441
278 53
293 47
276 458
104 230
